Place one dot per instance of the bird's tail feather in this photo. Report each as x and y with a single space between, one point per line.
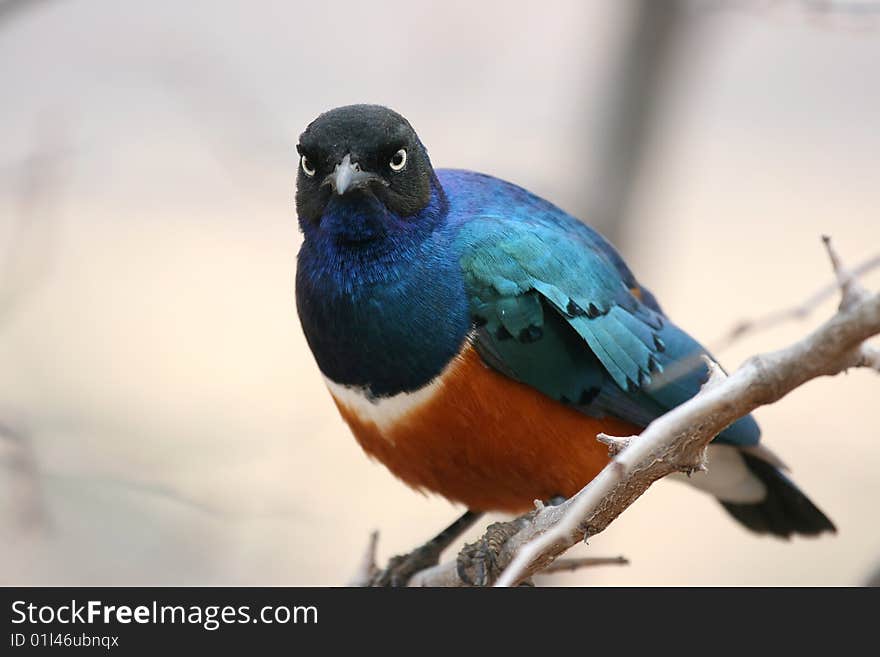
784 511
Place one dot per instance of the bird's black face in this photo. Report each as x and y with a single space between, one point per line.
362 151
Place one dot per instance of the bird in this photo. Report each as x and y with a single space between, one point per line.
477 338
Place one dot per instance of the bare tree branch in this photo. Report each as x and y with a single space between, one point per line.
676 442
446 574
747 327
800 311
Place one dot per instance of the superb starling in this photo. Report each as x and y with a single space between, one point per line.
476 338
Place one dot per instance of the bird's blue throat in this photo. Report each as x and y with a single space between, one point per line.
381 297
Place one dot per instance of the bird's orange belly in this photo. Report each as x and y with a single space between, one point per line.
479 438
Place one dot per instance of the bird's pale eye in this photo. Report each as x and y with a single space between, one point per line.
398 160
307 167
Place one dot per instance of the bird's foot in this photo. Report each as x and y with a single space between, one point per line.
402 567
477 562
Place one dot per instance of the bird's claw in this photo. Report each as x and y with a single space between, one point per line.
401 568
477 563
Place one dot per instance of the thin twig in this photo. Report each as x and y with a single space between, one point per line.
367 568
799 312
851 291
570 565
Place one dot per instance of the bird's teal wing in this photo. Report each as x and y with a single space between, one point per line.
557 309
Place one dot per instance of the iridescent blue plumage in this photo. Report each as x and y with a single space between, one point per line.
551 302
558 308
384 315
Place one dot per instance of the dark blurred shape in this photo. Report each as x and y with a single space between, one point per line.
874 580
24 266
12 9
644 66
23 490
27 260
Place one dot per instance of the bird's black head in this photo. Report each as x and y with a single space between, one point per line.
363 153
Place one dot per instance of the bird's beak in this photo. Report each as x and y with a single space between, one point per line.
347 176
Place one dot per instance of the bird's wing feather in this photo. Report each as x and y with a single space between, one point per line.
555 309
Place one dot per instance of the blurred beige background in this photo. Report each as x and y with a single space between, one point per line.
163 420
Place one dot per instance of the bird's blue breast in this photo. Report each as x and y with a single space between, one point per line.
384 314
